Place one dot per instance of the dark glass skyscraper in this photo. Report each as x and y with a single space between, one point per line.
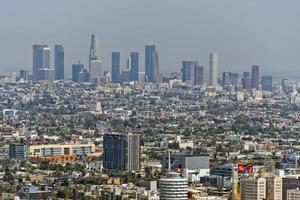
76 69
199 75
121 152
246 81
38 60
255 77
115 67
59 59
267 83
134 68
188 71
151 63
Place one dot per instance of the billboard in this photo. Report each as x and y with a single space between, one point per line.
245 168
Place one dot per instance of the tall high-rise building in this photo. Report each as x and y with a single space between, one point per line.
94 49
95 71
253 188
151 63
133 152
94 60
46 57
121 152
84 76
213 69
38 60
59 60
134 66
247 81
188 71
115 67
266 83
227 78
76 68
199 75
255 77
174 187
274 188
18 151
23 75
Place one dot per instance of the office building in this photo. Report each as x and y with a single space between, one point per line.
255 77
95 71
121 152
274 188
246 81
151 64
84 76
49 150
76 68
94 50
59 62
115 67
267 83
133 152
134 66
213 69
253 189
23 75
289 184
173 186
227 78
293 194
46 57
18 151
235 79
188 71
179 162
199 75
38 60
46 74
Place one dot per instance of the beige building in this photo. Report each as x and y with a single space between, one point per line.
274 188
253 189
293 194
60 149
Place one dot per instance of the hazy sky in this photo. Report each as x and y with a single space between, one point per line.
242 32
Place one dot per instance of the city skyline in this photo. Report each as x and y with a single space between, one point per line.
246 39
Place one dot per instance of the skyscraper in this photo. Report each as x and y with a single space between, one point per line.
188 71
121 152
94 60
95 71
227 78
266 83
38 61
246 81
46 57
213 69
151 63
76 69
18 151
115 67
255 77
134 66
59 60
199 75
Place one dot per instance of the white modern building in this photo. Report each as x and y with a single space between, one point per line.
213 69
173 187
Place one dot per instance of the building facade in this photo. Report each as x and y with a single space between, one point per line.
115 67
174 187
255 77
151 64
213 69
59 65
